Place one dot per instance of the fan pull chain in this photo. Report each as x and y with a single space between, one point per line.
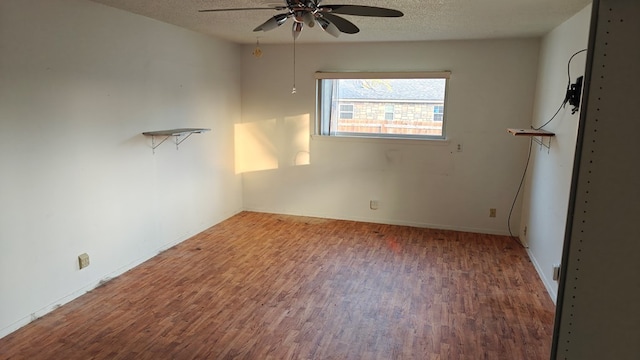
257 52
294 66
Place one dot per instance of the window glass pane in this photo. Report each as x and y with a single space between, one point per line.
382 107
438 112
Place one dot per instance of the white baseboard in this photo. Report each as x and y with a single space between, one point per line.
385 221
549 286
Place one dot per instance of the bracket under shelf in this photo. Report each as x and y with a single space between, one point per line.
537 135
179 134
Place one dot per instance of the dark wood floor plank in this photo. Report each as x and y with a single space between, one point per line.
261 286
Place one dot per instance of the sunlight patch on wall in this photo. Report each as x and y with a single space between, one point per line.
272 144
254 146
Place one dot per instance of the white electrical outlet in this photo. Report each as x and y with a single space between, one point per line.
556 272
492 212
374 204
83 260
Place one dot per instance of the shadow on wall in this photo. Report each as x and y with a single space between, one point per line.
272 144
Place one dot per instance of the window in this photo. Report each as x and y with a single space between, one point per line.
346 111
397 105
388 112
438 112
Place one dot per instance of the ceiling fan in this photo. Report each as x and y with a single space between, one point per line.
310 12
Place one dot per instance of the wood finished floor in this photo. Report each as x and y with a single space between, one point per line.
261 286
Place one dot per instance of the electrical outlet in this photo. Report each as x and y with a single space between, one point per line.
374 204
525 231
556 272
459 148
83 260
492 212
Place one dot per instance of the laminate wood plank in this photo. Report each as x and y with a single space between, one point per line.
262 286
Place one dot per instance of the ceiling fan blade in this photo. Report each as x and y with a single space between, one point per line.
272 23
328 26
360 10
277 8
342 24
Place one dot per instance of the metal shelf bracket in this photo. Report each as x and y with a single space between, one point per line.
180 136
537 135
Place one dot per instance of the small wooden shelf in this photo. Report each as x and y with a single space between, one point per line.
530 132
177 133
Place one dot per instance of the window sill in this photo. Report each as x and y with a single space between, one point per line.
378 140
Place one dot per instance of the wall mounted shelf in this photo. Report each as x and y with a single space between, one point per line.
536 135
530 132
180 135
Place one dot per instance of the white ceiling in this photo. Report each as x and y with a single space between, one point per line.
423 19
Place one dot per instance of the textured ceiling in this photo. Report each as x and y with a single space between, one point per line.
423 20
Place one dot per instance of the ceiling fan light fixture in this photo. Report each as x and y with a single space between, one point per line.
297 29
299 16
273 22
309 19
328 26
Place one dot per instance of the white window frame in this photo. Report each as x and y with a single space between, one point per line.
322 127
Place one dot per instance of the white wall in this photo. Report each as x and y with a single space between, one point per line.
418 183
79 83
546 193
